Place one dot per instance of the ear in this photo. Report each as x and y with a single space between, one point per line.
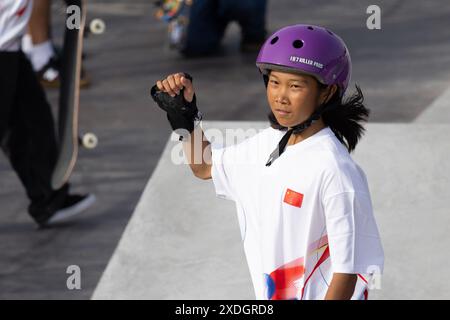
326 94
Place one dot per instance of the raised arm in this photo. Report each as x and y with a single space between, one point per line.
198 153
175 94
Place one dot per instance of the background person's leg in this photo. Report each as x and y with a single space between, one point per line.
251 17
8 86
31 144
206 28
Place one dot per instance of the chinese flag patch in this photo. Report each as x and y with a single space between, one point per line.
293 198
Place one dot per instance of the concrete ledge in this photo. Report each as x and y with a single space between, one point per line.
438 111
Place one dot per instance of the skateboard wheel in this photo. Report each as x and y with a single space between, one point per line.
97 26
89 141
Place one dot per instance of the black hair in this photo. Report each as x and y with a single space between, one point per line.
343 116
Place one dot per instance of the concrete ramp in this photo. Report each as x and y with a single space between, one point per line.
184 243
438 111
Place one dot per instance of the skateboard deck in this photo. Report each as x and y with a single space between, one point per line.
176 14
69 100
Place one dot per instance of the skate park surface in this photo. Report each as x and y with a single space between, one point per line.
156 232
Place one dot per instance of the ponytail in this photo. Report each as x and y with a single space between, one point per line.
344 117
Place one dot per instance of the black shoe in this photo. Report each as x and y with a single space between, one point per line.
70 207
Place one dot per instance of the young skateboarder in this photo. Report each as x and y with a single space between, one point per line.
304 205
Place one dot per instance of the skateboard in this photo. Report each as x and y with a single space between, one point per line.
69 99
176 14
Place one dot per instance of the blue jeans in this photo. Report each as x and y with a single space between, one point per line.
209 19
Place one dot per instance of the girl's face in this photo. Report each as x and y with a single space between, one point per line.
293 97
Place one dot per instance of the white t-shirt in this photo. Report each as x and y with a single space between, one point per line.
14 16
303 218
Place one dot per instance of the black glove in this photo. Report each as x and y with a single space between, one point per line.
180 113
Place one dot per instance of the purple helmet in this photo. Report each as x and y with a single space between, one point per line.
310 50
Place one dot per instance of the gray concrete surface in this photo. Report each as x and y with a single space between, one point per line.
183 243
408 177
401 68
437 111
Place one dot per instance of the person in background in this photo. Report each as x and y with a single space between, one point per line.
208 20
27 132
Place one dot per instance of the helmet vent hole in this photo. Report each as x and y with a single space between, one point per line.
274 40
297 44
310 28
330 32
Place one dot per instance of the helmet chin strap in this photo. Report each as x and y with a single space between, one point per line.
299 128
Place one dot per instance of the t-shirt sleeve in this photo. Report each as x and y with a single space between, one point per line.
222 171
353 237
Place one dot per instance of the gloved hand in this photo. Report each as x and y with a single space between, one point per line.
176 96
